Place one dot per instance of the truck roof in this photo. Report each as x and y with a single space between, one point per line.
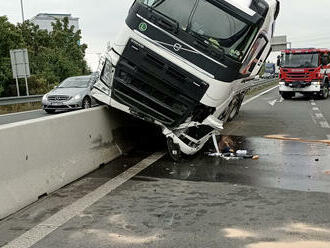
307 50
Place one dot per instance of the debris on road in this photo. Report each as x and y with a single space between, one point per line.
223 149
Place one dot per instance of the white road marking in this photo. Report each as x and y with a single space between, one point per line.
313 103
261 94
316 109
272 103
18 113
324 124
319 115
40 231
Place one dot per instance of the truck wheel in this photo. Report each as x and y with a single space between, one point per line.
174 150
287 95
234 112
324 94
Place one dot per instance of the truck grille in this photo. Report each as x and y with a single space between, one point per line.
58 98
155 88
298 76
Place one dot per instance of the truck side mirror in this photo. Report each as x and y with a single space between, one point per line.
324 60
278 61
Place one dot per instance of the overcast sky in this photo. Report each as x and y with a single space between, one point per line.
305 22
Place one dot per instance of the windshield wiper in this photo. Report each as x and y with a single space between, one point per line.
164 21
208 44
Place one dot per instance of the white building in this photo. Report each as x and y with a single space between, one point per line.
44 21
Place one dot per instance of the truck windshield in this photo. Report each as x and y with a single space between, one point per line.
209 23
270 68
306 60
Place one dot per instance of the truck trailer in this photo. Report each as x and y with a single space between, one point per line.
185 64
305 71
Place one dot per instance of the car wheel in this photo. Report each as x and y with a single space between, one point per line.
86 104
50 111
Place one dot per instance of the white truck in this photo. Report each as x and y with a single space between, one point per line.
185 64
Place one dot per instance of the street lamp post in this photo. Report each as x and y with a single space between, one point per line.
22 11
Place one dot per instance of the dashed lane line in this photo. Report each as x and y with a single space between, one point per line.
48 226
317 114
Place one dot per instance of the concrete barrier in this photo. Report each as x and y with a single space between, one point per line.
40 156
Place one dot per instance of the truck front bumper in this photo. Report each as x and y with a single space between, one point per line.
311 88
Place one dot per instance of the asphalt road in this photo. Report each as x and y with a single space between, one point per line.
281 200
22 116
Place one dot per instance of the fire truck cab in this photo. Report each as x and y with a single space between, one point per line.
305 71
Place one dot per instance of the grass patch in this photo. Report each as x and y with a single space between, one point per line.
14 108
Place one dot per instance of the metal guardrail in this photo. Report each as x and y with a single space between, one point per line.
21 99
256 83
37 98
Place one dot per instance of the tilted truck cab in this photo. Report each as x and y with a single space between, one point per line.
305 71
186 65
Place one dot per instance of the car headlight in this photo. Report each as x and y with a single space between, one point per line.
44 98
77 97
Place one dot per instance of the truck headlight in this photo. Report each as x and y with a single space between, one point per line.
77 97
281 83
316 83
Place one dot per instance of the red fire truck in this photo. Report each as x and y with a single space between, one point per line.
305 71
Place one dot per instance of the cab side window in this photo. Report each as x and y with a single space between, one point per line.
106 73
254 56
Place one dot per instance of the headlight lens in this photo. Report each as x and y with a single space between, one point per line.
316 83
282 83
44 98
77 97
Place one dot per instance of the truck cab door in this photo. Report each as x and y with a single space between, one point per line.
253 59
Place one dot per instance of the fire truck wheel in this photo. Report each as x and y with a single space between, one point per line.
287 95
324 92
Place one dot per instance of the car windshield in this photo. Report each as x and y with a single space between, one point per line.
306 60
210 24
75 82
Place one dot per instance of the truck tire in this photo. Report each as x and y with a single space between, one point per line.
174 150
324 93
287 95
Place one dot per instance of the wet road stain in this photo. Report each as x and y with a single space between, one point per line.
282 164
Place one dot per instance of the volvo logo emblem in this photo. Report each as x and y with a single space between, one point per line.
177 47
